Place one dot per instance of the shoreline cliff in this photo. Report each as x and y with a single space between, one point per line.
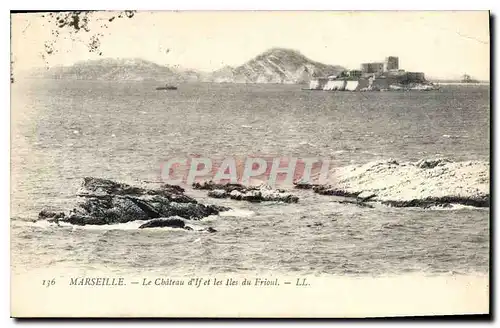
276 65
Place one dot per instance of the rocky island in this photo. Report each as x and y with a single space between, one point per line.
375 76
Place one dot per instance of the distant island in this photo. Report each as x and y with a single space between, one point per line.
276 65
468 79
465 79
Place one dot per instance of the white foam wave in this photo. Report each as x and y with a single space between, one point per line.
390 180
303 143
132 225
210 218
237 212
357 296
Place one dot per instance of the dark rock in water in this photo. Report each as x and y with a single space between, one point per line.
171 223
355 198
302 185
440 202
365 196
426 183
327 190
108 202
432 163
250 194
168 222
332 191
354 202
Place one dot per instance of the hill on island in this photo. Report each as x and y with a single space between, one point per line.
275 65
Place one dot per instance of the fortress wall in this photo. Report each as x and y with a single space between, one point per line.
395 79
416 77
378 84
335 85
406 77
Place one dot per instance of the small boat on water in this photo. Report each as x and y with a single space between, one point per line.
167 87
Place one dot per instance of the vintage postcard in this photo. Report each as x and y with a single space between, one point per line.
282 164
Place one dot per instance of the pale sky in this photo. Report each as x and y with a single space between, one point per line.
442 44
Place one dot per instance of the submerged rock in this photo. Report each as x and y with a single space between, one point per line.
174 222
432 163
210 185
355 202
250 194
108 202
354 198
440 202
164 222
303 185
332 191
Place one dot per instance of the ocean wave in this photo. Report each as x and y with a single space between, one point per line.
132 225
426 183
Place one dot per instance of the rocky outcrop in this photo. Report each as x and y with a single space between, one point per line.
166 222
250 194
52 217
47 215
108 202
476 201
426 183
276 65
